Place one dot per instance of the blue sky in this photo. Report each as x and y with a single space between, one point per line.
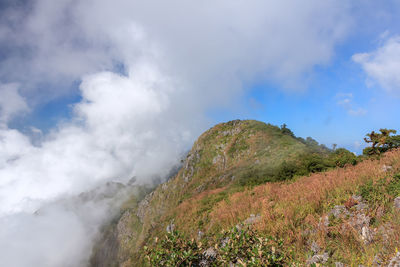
313 108
316 110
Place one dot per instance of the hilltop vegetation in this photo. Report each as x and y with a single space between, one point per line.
255 194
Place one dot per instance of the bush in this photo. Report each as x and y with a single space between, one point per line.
244 246
174 250
382 191
248 248
341 157
304 164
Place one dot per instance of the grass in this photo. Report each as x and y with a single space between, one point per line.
222 194
292 210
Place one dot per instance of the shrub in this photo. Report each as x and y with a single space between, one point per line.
174 250
248 248
382 191
342 157
237 246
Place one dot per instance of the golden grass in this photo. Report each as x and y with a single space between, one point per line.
289 209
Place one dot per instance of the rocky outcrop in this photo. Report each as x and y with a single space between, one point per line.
143 206
320 258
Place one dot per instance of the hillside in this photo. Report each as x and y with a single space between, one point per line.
231 177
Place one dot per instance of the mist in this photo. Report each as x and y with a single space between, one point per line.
148 72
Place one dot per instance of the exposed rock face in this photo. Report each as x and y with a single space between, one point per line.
322 258
191 161
359 221
252 219
170 228
142 207
366 234
397 203
315 247
338 210
395 261
386 168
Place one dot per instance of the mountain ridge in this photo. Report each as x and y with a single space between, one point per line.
228 160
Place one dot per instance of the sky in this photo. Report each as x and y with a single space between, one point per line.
99 91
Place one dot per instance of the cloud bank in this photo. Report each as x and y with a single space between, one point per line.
148 72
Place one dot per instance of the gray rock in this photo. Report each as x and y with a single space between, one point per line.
204 263
323 258
338 210
191 160
339 264
397 203
170 228
386 168
200 234
224 241
143 205
252 219
361 206
357 198
315 247
323 221
164 186
386 231
359 221
377 261
395 261
200 188
210 253
366 234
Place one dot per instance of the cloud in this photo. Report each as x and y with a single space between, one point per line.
212 44
148 72
124 126
11 102
383 65
345 100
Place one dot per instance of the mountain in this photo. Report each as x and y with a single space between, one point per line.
248 174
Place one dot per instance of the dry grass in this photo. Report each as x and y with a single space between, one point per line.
290 209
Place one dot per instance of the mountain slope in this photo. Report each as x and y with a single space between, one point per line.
222 160
217 172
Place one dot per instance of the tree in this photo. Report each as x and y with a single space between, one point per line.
334 146
286 130
381 142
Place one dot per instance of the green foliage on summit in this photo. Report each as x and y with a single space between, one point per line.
306 156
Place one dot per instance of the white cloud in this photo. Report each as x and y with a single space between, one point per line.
383 65
345 100
124 126
210 44
11 102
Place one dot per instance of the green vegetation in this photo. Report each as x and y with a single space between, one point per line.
236 246
312 160
231 173
381 142
382 191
